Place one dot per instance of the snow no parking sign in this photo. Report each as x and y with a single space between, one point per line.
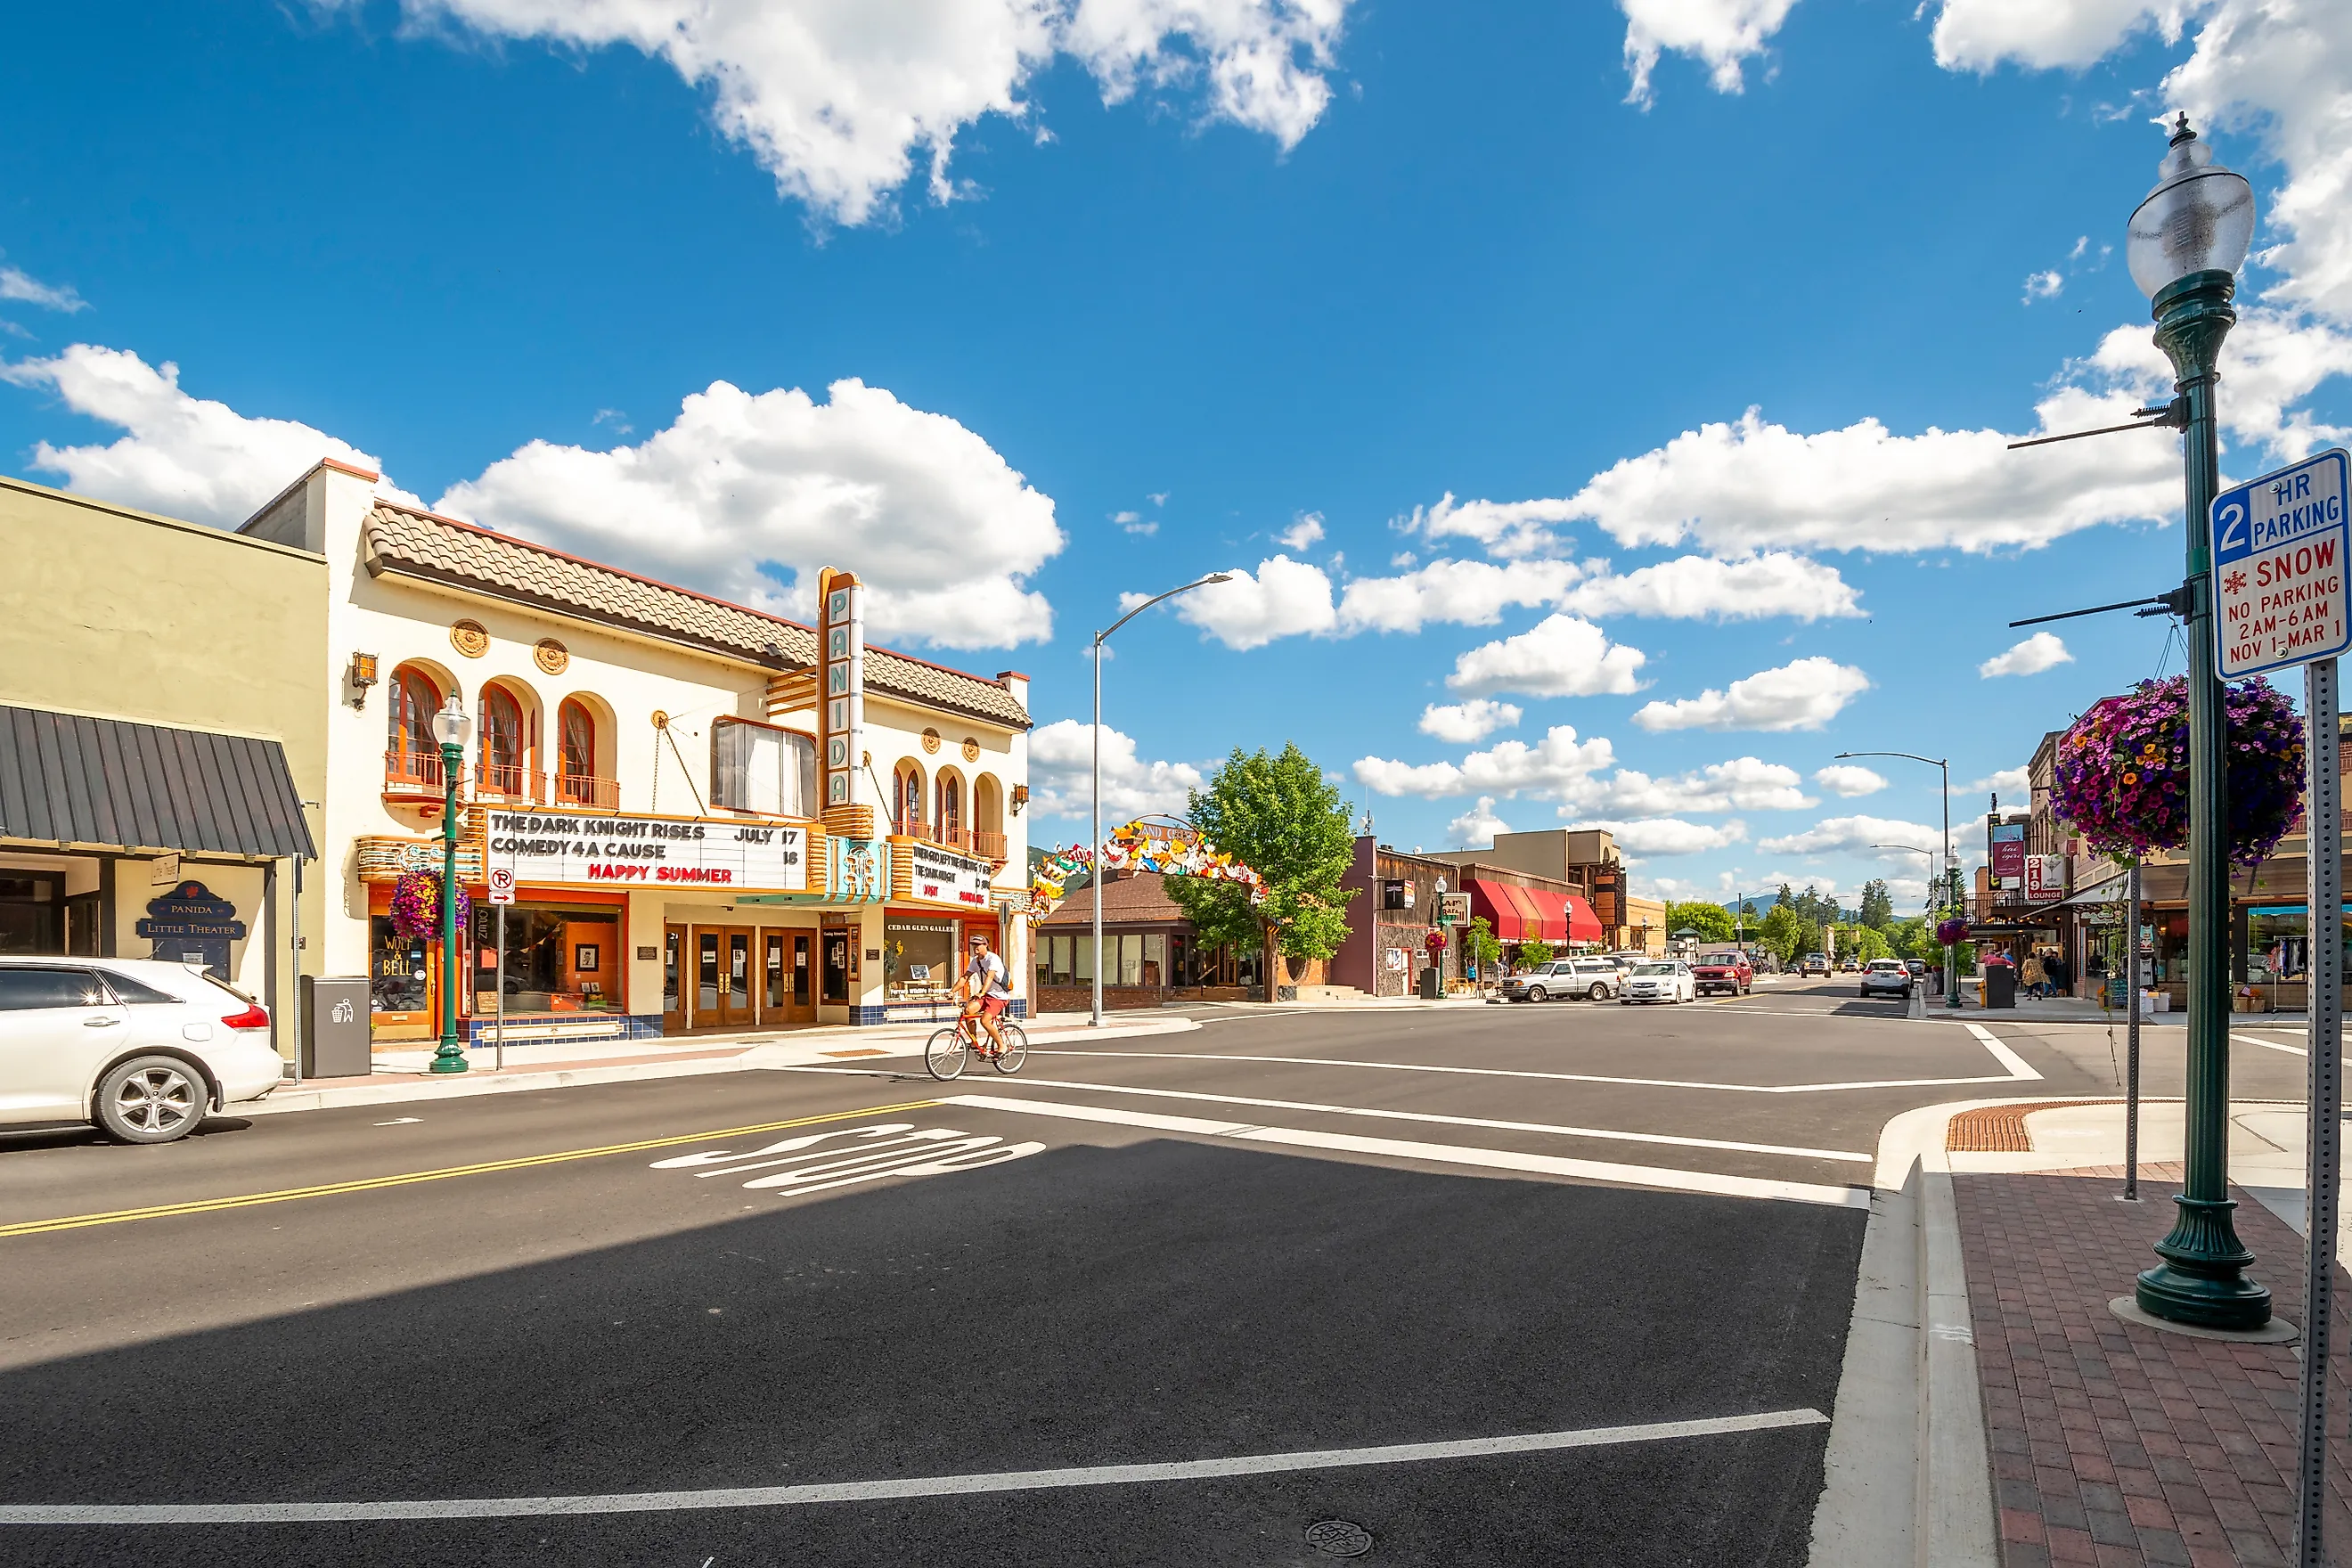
2279 547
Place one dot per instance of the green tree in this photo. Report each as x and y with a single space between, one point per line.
1863 943
1279 816
1712 921
1535 952
1877 904
1486 947
1782 933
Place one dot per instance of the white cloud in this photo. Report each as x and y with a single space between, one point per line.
1282 598
22 288
1719 34
2012 782
1060 763
2043 650
1133 522
1472 593
1475 829
1743 783
744 496
839 101
1847 780
1508 529
1558 762
1803 695
185 456
2043 286
1561 655
1978 34
1696 586
1669 835
1463 722
1303 534
1856 835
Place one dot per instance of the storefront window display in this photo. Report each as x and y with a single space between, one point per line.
919 958
558 960
399 977
2278 945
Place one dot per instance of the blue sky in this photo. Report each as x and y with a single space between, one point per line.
1016 306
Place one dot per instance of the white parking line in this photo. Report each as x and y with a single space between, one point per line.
913 1486
1611 1134
2003 1054
2018 1071
2270 1045
1441 1153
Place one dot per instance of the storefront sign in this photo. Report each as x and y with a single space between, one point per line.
2279 547
648 851
190 921
2008 845
841 679
2045 879
941 878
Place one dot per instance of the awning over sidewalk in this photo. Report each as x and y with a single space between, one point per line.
1533 914
77 782
1494 902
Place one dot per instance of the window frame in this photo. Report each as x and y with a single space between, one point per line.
809 776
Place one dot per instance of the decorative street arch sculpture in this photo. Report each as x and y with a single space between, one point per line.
1148 844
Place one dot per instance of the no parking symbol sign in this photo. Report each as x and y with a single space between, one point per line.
2279 547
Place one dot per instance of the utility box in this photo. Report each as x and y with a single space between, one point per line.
2000 986
335 1027
1430 981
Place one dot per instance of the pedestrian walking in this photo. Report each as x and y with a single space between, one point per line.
2034 975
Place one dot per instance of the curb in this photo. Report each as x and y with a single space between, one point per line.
763 1057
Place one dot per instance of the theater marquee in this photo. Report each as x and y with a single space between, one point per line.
649 852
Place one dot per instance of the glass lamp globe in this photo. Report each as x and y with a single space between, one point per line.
2199 218
451 725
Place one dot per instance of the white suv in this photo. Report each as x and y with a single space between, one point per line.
140 1049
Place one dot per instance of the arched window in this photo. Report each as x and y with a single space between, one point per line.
907 807
502 742
410 751
576 727
951 817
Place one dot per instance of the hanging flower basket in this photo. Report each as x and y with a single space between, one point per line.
2122 770
1953 931
416 907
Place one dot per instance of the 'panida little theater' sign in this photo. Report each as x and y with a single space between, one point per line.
649 851
942 877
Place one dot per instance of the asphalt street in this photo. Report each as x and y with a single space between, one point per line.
1511 1284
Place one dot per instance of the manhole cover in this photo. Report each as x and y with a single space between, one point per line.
1338 1538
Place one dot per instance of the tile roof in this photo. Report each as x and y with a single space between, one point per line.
1139 897
442 550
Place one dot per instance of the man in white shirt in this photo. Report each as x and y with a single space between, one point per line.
986 981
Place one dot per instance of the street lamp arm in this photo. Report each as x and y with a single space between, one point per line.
1913 757
1104 635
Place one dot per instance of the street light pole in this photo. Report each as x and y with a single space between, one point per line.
2184 246
1095 867
1951 868
450 726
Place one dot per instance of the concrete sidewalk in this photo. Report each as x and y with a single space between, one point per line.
400 1077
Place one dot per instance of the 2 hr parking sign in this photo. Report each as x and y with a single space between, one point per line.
2279 547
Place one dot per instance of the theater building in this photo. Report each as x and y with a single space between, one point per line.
716 819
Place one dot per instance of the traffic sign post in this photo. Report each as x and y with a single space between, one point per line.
2279 560
502 893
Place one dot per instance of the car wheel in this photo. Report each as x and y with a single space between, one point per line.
1599 993
151 1099
1537 993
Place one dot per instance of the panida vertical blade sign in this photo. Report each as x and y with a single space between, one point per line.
841 677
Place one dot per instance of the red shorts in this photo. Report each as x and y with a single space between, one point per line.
994 1007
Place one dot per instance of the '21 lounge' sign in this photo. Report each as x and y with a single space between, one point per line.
2279 547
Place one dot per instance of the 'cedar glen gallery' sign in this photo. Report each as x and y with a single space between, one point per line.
649 851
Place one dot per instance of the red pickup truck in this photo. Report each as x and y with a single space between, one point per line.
1724 971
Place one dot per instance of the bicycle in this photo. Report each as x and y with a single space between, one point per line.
944 1056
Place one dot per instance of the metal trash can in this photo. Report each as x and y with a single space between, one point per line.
335 1028
2000 986
1431 982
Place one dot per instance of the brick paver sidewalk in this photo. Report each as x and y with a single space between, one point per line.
2113 1443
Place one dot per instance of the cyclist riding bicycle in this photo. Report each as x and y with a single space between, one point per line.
988 985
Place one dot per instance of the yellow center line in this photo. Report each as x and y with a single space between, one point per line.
331 1189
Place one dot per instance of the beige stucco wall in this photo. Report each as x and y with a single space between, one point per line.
119 613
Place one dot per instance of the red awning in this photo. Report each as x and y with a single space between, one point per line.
1546 919
1493 901
1583 925
1531 911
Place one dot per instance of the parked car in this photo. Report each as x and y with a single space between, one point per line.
1887 977
1723 971
1918 966
1815 963
141 1049
1661 980
1597 978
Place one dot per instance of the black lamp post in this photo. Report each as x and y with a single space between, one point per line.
450 727
2186 243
